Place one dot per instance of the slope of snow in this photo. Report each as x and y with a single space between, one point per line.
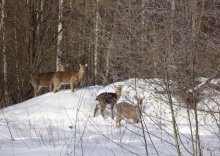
63 124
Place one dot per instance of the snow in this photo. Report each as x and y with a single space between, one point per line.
63 124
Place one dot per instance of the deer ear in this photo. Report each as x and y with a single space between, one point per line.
143 98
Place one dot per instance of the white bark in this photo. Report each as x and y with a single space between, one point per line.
60 35
96 40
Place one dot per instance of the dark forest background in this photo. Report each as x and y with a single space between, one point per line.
119 39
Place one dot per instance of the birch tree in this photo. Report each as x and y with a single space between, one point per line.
97 20
60 35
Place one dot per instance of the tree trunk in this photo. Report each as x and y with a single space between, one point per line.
96 41
194 57
17 56
60 35
4 47
6 98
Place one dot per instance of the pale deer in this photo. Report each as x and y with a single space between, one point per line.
44 79
68 77
105 99
128 111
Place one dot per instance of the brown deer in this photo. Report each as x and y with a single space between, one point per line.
105 99
45 79
68 77
128 111
64 67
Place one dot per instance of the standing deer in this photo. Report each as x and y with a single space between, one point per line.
128 111
68 77
105 99
45 79
64 67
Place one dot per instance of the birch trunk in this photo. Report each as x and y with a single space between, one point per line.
96 40
60 35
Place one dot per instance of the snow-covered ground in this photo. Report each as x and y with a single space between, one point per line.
63 124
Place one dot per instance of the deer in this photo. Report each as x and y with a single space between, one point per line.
105 99
68 77
128 111
64 67
45 79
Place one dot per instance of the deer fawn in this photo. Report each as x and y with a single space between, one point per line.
128 111
107 99
45 79
68 77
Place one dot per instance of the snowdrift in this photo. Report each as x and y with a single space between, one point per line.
62 124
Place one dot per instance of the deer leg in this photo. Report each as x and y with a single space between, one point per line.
95 110
36 90
112 115
118 121
102 110
72 86
51 87
55 87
